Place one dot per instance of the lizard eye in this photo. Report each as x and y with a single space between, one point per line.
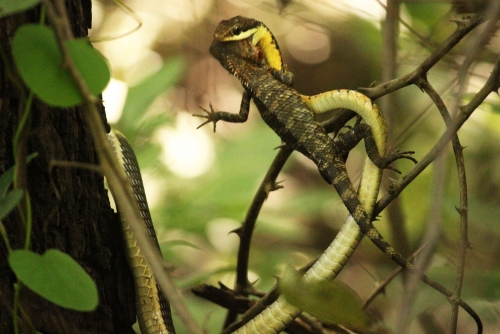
236 31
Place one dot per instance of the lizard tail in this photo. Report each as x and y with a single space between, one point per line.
338 177
336 174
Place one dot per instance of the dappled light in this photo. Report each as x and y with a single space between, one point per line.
186 152
234 160
327 45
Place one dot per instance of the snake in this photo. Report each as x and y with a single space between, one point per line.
153 310
274 318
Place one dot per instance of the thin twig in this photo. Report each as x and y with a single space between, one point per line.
463 28
462 182
245 232
473 49
433 231
391 106
69 164
491 85
381 287
242 286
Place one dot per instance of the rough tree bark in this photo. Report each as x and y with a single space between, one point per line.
81 222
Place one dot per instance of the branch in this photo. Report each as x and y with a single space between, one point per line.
491 85
245 232
462 182
493 15
381 287
268 184
463 28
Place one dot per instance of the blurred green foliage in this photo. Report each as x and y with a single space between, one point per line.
296 220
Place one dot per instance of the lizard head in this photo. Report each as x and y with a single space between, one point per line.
240 28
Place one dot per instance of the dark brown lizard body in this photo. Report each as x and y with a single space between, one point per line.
281 108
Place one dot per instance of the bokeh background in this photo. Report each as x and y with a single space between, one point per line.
200 184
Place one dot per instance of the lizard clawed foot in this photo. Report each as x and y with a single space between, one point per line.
395 155
211 116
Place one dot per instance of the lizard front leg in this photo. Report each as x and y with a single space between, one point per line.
283 75
215 116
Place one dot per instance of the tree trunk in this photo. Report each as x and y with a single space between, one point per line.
80 222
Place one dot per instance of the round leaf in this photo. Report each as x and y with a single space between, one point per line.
91 64
40 64
56 277
331 301
9 202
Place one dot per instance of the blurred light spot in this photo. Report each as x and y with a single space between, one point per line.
127 50
114 99
246 4
154 188
308 43
370 10
187 152
184 11
97 16
147 63
254 278
220 236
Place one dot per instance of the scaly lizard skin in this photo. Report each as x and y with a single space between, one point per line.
275 317
280 313
285 111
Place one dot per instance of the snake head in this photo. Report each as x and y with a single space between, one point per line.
241 28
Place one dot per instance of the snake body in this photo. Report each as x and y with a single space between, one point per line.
245 47
152 307
153 310
279 314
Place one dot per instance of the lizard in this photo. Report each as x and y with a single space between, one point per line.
287 113
279 314
334 258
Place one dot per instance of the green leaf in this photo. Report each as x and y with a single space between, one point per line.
7 177
180 242
56 277
330 301
141 96
9 202
40 64
8 7
10 199
428 15
204 277
5 181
